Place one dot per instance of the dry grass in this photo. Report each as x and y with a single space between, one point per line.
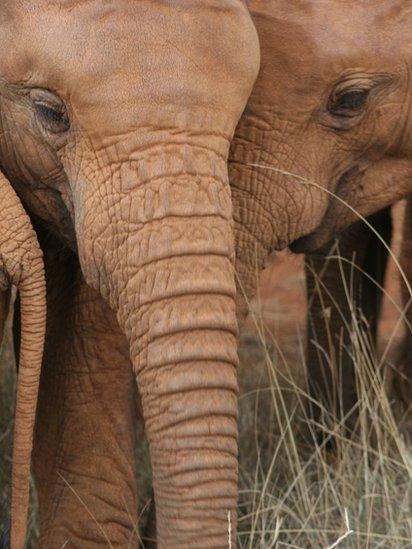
299 495
295 494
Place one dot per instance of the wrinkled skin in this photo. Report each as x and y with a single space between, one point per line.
116 124
21 265
87 414
331 105
327 130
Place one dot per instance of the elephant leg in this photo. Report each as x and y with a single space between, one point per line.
374 265
84 456
5 297
337 290
402 382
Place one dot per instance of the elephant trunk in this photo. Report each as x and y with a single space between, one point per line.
170 276
183 347
21 264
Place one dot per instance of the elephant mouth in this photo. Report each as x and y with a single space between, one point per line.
309 243
335 219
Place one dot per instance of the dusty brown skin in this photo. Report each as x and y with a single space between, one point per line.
87 414
332 106
21 265
116 123
403 382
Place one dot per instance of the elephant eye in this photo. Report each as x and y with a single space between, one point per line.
50 111
349 103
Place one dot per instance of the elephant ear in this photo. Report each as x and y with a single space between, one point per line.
21 265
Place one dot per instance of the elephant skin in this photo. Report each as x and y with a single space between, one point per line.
329 115
21 265
325 141
84 452
402 383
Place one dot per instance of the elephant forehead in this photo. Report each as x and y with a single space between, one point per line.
309 44
156 51
371 31
78 39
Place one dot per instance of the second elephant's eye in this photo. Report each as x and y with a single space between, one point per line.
348 103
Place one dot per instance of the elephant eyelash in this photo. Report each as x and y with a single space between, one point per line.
348 103
55 120
50 110
349 97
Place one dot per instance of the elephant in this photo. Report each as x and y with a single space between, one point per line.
116 120
325 141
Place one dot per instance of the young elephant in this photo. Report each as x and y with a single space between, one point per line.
116 120
327 133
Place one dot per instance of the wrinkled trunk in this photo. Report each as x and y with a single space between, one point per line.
183 345
21 265
274 202
168 271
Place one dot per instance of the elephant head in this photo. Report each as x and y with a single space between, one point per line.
116 120
327 129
